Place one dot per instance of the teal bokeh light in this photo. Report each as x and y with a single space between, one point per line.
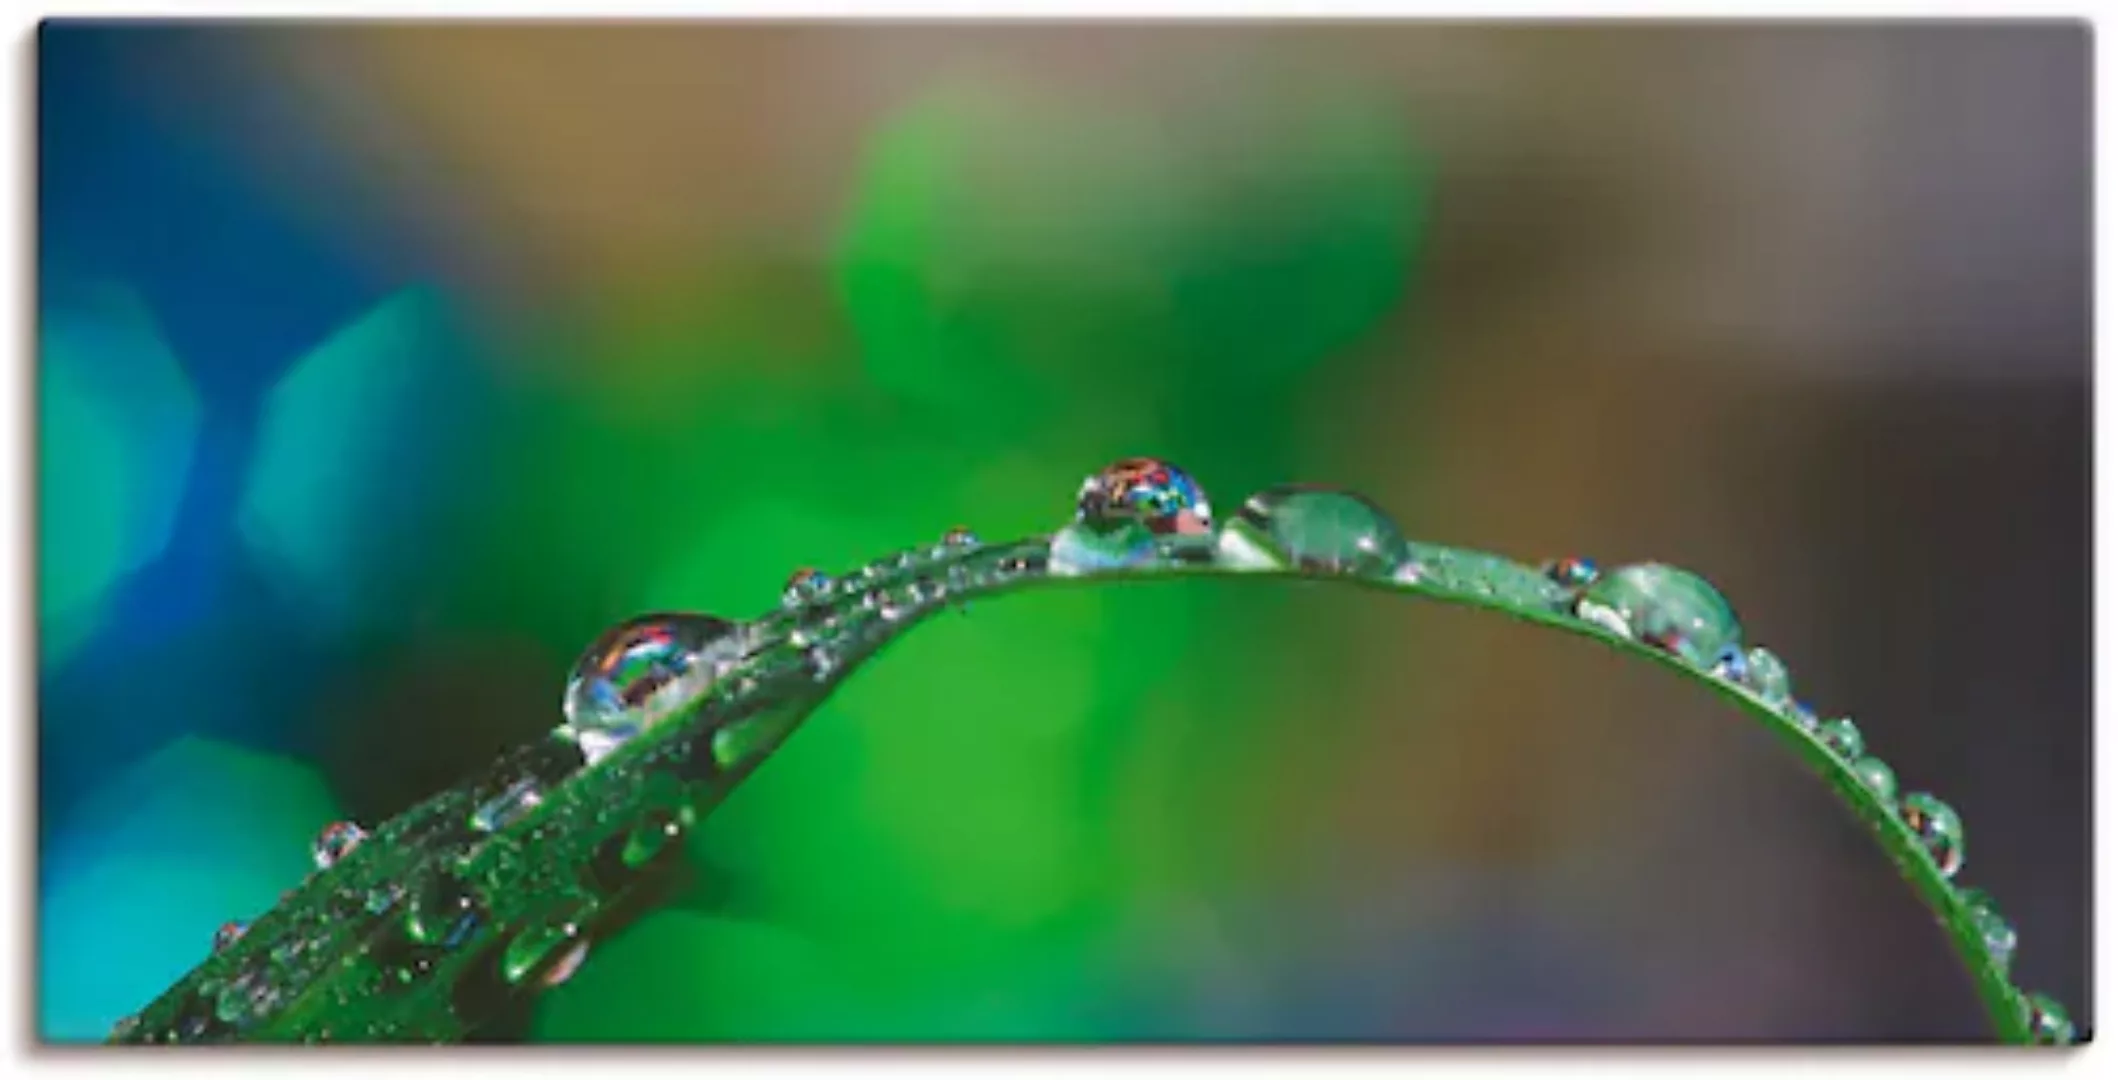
117 426
357 446
152 862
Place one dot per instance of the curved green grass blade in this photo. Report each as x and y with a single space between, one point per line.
444 924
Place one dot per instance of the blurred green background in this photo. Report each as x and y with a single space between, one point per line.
381 367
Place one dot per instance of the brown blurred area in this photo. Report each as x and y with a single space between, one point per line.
1804 308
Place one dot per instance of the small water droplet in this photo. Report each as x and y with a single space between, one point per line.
1841 736
1325 530
442 913
1766 675
641 671
533 947
1730 666
1939 829
336 841
1876 777
959 537
807 583
1993 927
228 933
651 840
1664 606
1573 571
567 965
2049 1023
1149 492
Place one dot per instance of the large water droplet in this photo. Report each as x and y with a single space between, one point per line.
1939 829
1669 608
2049 1023
641 671
1324 530
336 841
1993 927
1149 492
1842 736
1876 777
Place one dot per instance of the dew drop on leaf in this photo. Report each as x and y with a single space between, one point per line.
1842 736
1325 530
1993 927
2049 1023
1939 829
1672 609
336 841
640 671
1876 777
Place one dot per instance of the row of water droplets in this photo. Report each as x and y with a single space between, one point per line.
1148 515
1144 513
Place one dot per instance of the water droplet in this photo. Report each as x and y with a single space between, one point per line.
1803 715
641 671
1148 492
2049 1023
808 583
1993 927
959 537
1841 736
533 947
1939 829
1574 572
1876 777
567 965
443 912
1766 675
228 933
1324 530
651 840
1669 608
336 841
508 807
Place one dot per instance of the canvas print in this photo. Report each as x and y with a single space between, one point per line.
707 533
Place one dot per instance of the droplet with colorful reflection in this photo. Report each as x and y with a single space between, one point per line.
806 584
2049 1023
638 672
1149 492
228 933
335 841
1939 829
1127 515
1573 571
1670 608
1325 530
